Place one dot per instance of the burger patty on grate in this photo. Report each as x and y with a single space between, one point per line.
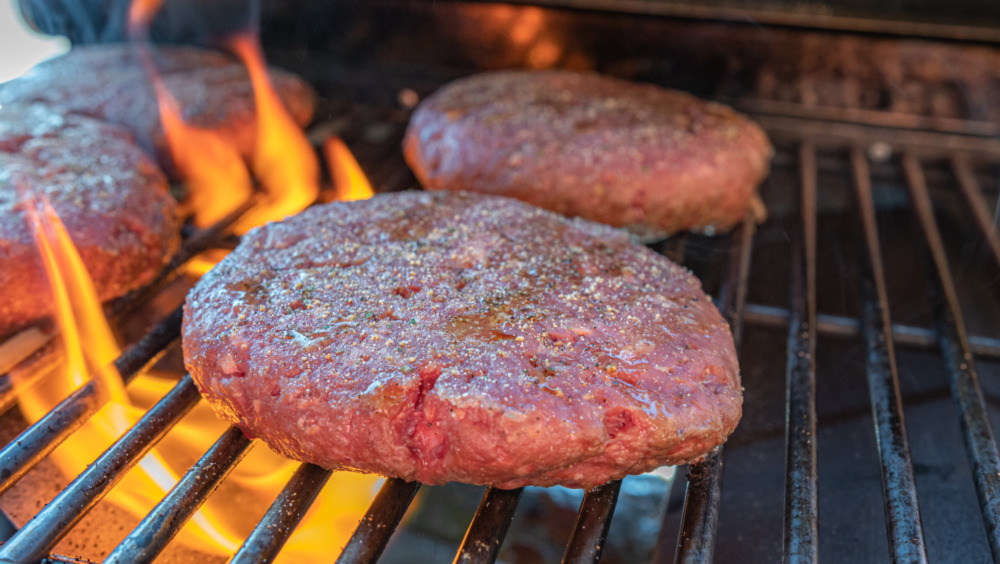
108 82
448 336
108 192
652 160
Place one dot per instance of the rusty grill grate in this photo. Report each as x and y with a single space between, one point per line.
702 507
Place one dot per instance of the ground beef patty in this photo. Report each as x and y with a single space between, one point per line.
457 337
652 160
107 82
108 192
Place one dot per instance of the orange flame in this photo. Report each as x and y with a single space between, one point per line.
349 181
345 498
140 15
218 183
90 350
283 159
349 184
212 168
77 304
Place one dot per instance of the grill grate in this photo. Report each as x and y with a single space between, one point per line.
978 435
489 527
702 504
906 536
288 509
166 519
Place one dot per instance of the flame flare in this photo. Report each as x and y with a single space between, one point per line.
349 181
212 168
218 181
77 304
283 159
90 351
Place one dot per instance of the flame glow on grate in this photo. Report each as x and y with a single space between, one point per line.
90 350
286 168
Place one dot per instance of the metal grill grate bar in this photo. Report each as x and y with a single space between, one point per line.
801 524
696 541
849 327
962 375
899 490
38 363
377 526
592 524
974 196
199 242
489 527
700 518
285 513
38 440
166 519
40 534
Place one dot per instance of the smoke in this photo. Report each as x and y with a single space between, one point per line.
196 22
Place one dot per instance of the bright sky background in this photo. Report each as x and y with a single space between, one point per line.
20 46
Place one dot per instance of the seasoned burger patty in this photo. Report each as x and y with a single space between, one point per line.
110 195
652 160
457 337
108 82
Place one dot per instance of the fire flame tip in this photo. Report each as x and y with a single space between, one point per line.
349 181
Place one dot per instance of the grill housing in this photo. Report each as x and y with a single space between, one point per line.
864 309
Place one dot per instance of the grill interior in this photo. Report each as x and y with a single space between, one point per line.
869 293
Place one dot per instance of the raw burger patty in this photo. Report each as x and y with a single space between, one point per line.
446 337
107 82
110 195
652 160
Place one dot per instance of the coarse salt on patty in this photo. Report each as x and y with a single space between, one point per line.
450 336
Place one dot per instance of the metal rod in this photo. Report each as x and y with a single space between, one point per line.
132 360
880 118
962 375
734 307
45 529
137 358
592 524
377 526
200 241
285 513
28 371
675 247
489 527
850 327
760 16
801 531
836 134
41 438
899 490
974 196
23 346
696 540
166 519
